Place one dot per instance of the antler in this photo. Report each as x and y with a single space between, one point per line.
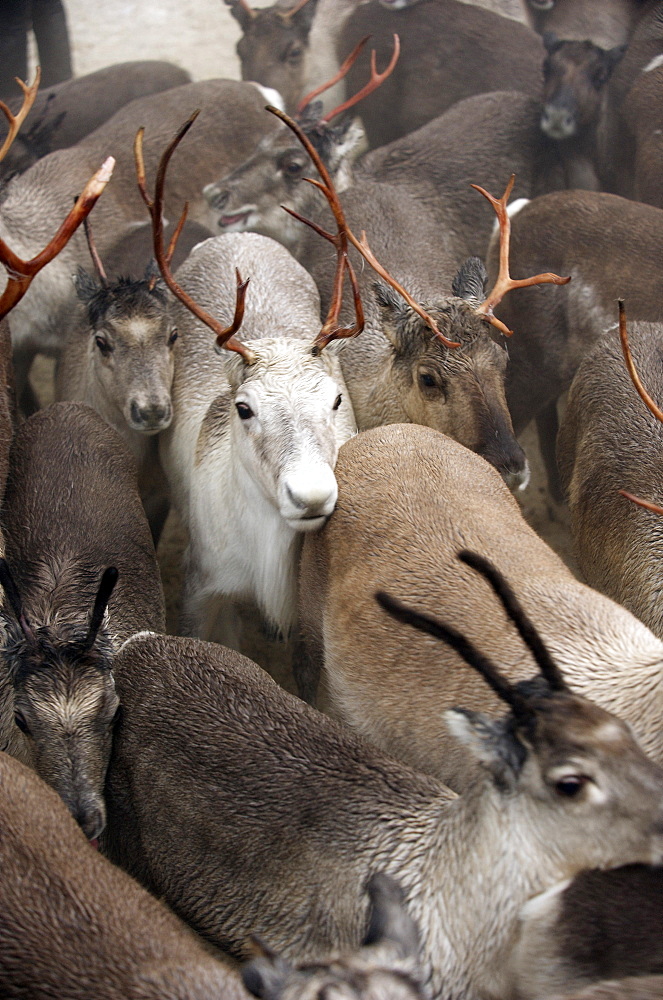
374 82
96 259
21 272
505 282
15 121
224 335
361 245
287 14
644 395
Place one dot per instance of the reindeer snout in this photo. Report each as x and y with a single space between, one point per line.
558 122
91 817
309 497
152 417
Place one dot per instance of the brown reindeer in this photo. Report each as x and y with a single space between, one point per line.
606 24
73 925
601 925
611 248
231 122
409 497
250 812
608 441
449 50
65 113
57 693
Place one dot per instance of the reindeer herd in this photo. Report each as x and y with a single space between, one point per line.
299 329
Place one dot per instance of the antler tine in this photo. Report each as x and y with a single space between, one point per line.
463 646
15 121
514 610
224 334
104 591
330 329
249 10
374 82
343 71
505 282
21 272
644 395
362 246
96 259
287 14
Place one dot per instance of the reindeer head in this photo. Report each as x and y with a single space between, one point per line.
64 698
576 771
575 76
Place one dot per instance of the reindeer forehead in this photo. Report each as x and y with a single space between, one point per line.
585 727
72 704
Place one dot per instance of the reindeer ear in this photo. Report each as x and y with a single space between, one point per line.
390 923
303 19
471 279
492 742
85 285
265 976
348 143
153 274
240 13
393 312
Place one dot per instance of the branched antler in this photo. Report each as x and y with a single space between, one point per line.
644 395
327 187
15 121
224 335
505 282
21 272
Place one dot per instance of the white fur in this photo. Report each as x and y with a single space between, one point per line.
653 64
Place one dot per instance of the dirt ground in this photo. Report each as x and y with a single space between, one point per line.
200 36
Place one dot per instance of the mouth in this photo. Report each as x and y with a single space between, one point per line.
236 220
312 522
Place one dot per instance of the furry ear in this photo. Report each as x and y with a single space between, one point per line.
349 142
266 975
470 281
85 285
152 273
492 742
393 313
240 13
390 923
303 19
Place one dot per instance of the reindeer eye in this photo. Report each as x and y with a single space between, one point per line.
172 338
294 54
292 168
337 401
244 411
21 723
570 785
103 345
427 380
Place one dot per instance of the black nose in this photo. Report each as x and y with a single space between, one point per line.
150 416
91 819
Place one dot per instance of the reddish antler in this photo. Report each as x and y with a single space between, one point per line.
224 335
505 282
287 14
362 246
15 121
644 395
21 272
374 82
96 259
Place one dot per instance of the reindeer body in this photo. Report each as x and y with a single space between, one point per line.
65 113
300 811
73 925
609 441
231 121
403 538
247 488
71 509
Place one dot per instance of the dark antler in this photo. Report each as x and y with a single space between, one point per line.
644 395
504 282
224 335
362 246
106 587
426 623
21 272
15 121
523 623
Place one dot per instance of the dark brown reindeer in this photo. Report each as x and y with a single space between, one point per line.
611 247
450 50
250 812
73 925
609 442
65 113
57 692
602 925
